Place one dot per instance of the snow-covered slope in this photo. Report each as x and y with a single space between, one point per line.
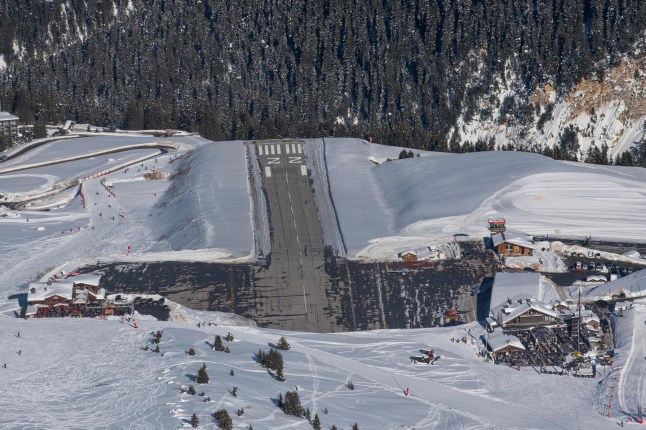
208 204
95 374
397 205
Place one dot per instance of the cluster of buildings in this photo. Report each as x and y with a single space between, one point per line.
529 325
79 295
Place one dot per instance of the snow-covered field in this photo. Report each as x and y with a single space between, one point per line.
87 373
416 202
94 374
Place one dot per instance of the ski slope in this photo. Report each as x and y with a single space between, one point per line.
95 374
85 373
632 344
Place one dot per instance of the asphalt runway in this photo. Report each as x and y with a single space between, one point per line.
294 288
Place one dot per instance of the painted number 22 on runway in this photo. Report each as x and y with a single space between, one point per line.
273 160
294 160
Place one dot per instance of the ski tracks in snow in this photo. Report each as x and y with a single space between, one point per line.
315 377
632 383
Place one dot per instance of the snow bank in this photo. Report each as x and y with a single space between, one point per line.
384 209
208 204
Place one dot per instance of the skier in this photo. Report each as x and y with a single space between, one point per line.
18 335
4 365
20 352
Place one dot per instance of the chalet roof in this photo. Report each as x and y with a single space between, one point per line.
596 278
6 116
43 291
499 238
86 279
519 305
506 285
99 295
498 340
80 298
31 310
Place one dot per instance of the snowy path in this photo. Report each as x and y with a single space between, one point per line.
632 384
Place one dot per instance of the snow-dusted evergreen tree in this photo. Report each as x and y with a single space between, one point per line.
224 419
195 421
283 345
292 404
202 376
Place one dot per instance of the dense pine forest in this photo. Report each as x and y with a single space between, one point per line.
400 71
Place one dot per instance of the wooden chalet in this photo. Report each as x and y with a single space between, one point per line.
523 313
64 297
504 347
513 247
44 298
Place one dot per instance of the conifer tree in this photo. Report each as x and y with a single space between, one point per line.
40 130
202 376
217 343
292 404
316 424
283 345
195 421
224 419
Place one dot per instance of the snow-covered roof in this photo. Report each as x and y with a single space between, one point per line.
506 285
6 116
100 295
499 238
519 305
42 291
81 297
596 278
499 340
633 285
86 278
632 254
